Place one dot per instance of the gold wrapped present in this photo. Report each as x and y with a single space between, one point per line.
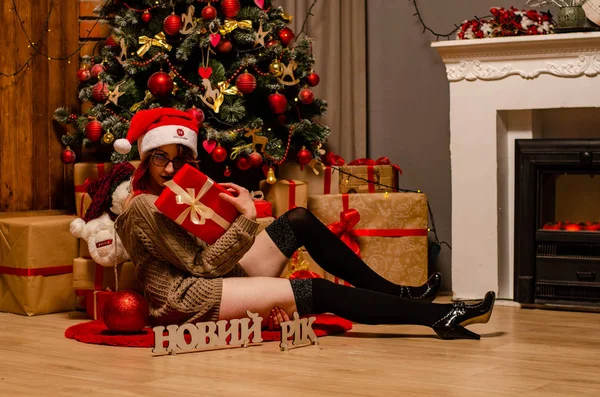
321 179
354 178
285 194
389 230
36 264
88 275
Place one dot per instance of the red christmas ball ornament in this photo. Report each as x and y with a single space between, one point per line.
97 69
313 79
67 156
219 154
271 43
172 25
243 163
286 35
304 156
110 42
209 12
198 115
246 83
93 130
256 159
160 84
146 16
126 312
277 103
100 91
84 74
227 171
306 96
230 8
224 46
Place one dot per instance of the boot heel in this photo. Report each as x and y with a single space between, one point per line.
457 333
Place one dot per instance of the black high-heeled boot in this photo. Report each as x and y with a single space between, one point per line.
452 325
425 293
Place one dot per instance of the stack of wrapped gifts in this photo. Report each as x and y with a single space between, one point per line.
391 227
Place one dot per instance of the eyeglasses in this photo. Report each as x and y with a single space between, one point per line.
161 160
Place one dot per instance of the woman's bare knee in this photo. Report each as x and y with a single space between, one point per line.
256 294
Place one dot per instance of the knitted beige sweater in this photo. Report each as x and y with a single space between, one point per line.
180 274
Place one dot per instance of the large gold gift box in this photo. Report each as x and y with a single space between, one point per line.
88 275
353 178
391 233
285 194
36 264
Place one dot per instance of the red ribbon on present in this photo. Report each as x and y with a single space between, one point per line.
88 181
333 159
291 194
380 161
99 277
349 218
43 271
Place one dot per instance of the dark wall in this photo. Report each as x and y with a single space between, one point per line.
409 98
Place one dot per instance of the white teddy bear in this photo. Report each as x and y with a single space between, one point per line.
100 234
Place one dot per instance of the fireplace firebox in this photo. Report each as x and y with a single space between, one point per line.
557 209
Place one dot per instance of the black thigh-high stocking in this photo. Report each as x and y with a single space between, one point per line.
315 296
329 251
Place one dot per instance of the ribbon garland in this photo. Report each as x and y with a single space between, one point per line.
159 40
231 25
197 211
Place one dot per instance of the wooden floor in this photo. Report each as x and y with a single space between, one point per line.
523 352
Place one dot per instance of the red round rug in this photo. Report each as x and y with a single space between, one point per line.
95 332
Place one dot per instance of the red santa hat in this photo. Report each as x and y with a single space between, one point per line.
157 127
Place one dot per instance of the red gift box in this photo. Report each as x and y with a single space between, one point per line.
264 209
93 302
192 200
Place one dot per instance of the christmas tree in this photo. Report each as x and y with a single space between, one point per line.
233 64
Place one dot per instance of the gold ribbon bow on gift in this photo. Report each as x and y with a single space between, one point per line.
160 40
231 25
197 211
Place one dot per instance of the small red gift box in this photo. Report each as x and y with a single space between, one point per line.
192 200
264 209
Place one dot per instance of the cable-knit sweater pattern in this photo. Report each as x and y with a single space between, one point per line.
182 276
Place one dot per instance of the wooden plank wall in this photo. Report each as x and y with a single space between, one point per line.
32 177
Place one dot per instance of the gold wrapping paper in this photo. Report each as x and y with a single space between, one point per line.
384 174
36 245
85 272
278 194
402 260
316 183
302 261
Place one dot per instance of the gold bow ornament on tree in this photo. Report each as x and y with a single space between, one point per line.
231 24
159 40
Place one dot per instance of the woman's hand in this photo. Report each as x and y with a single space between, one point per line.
277 317
241 199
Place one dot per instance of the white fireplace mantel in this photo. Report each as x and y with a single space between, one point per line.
497 87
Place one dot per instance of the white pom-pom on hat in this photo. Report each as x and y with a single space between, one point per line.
122 146
76 227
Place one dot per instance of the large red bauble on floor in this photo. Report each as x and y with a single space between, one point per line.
160 84
256 159
277 103
219 154
230 8
313 79
100 91
125 311
286 35
93 130
246 83
209 12
198 115
172 25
